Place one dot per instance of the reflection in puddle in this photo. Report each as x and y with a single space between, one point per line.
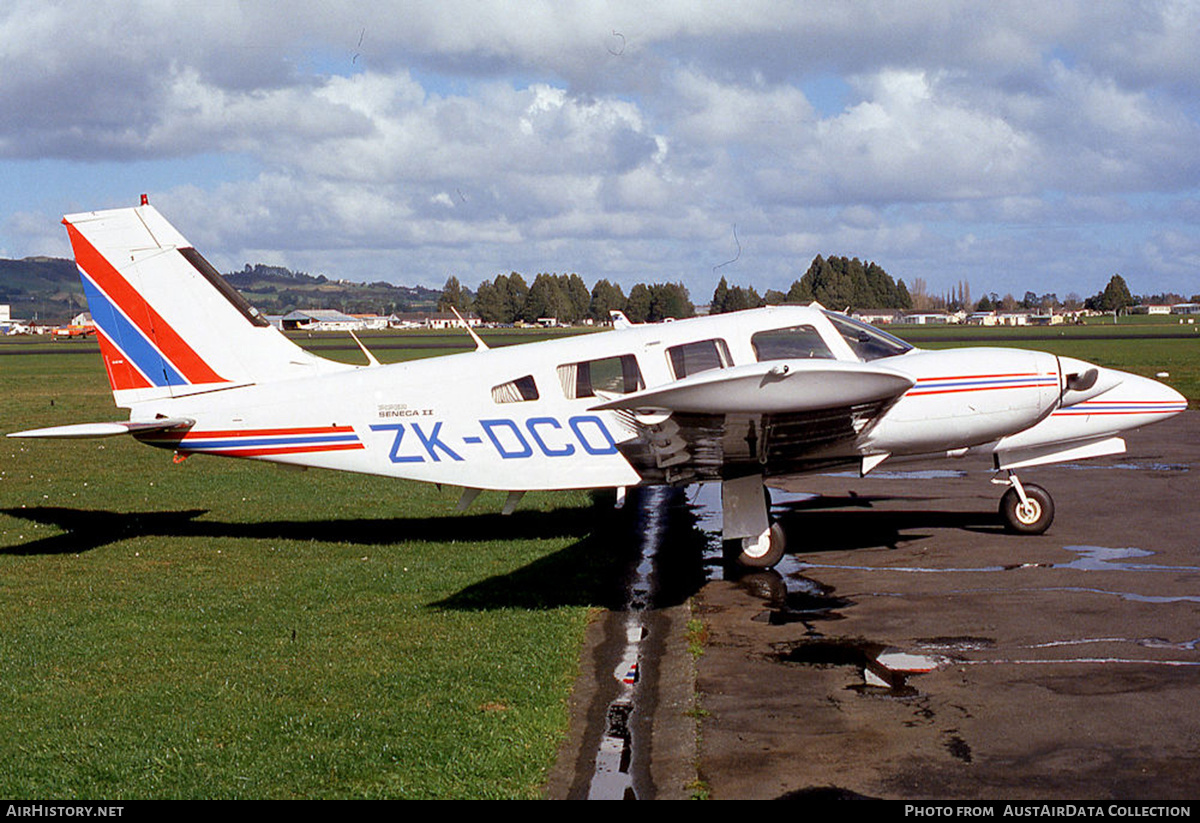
792 599
613 775
882 667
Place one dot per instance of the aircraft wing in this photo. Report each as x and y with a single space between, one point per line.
78 430
774 418
778 386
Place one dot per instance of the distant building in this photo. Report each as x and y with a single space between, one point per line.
332 320
447 320
320 320
1186 308
1150 309
880 317
372 322
981 318
926 319
1013 318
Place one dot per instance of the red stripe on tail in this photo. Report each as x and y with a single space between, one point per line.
142 314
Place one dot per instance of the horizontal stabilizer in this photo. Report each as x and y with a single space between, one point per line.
774 387
79 430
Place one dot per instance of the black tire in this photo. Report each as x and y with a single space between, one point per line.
767 559
1032 519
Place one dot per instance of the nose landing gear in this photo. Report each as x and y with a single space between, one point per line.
1026 508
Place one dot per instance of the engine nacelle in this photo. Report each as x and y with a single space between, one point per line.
966 396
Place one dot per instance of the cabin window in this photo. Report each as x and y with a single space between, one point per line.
693 358
793 343
614 375
516 391
868 342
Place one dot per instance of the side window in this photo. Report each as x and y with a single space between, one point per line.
516 391
615 375
693 358
790 344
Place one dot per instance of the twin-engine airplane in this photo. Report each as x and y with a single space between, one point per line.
740 399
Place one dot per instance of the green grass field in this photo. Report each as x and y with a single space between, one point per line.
222 628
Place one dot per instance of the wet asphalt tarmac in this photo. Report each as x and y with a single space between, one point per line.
1064 666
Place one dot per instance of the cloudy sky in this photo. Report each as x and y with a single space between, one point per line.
1019 146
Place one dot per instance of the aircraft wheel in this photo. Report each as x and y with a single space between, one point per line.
1033 517
764 551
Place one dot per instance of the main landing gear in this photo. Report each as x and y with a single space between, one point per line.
1026 508
753 541
761 552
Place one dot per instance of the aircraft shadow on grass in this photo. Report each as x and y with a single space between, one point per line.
87 529
589 572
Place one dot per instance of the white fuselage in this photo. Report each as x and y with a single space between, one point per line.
526 417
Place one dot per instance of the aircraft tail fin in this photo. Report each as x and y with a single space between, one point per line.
167 322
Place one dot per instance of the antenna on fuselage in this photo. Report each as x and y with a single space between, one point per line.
479 344
371 361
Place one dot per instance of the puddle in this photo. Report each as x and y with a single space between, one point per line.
911 569
1144 642
612 778
1092 559
1132 596
1103 559
947 645
916 474
1140 467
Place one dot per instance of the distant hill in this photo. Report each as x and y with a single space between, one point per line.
48 289
42 288
276 290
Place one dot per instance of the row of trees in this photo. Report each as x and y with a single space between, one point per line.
840 283
565 297
837 282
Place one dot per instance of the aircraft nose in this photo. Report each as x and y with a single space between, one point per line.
1158 392
1131 400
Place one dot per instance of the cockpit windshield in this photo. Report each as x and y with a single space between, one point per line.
868 342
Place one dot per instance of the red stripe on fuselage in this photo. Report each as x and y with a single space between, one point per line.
981 376
261 452
140 313
273 432
922 386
